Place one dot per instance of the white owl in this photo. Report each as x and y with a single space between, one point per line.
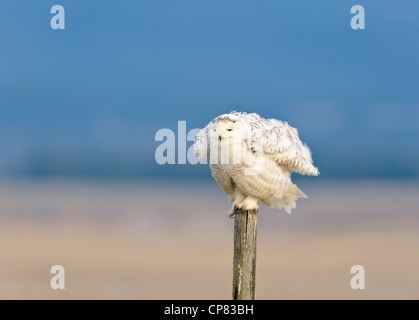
252 158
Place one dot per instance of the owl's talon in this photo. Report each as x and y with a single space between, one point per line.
250 204
234 209
238 206
251 208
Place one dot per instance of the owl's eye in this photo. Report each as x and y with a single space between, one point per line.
229 130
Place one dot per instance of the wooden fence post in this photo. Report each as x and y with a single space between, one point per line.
244 260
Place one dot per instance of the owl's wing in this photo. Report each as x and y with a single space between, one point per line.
281 141
201 146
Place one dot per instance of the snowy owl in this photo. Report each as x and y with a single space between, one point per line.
251 159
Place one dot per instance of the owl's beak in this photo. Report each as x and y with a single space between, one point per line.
219 138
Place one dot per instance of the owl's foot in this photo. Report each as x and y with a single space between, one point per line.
249 204
234 209
232 212
238 199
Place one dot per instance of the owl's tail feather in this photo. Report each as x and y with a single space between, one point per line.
288 200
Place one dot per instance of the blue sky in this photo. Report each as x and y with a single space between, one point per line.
88 100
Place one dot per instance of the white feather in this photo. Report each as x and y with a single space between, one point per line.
269 150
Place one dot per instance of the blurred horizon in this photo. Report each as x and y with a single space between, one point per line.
87 101
153 240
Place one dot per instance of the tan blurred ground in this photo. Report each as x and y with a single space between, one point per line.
173 240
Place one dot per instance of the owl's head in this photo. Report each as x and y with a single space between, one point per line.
227 128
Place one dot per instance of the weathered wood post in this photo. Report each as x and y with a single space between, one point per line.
244 260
